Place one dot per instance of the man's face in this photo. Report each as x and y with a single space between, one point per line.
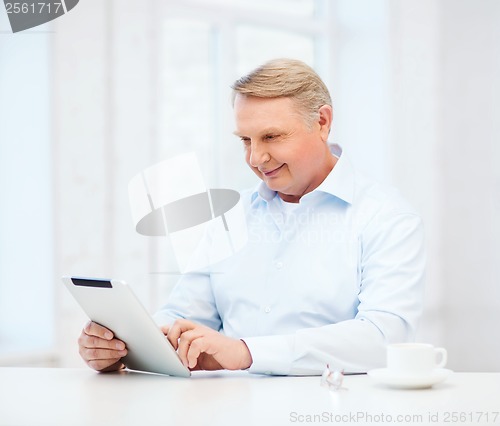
282 150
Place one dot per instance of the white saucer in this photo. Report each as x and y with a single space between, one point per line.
389 378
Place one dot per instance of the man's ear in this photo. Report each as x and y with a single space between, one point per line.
325 121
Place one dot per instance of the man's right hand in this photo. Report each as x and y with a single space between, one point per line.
99 349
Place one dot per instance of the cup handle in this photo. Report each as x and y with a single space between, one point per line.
444 357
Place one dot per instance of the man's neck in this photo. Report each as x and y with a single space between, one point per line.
328 166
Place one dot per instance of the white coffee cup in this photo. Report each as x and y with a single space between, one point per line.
414 358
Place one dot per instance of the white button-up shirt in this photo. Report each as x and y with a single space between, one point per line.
331 281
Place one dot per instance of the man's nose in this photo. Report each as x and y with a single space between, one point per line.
258 155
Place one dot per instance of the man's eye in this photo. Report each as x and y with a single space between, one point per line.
270 137
246 141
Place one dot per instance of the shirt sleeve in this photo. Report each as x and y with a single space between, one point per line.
392 264
192 298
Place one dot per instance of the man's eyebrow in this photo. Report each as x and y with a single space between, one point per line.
263 132
271 130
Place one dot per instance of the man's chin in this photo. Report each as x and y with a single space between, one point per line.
272 185
278 188
277 184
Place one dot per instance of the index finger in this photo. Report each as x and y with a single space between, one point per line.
94 329
178 327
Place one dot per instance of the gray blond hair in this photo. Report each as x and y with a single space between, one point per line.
288 78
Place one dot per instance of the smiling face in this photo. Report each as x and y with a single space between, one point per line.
289 155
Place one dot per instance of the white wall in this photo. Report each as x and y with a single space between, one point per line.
469 163
415 139
446 62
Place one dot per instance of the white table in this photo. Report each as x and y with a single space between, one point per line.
68 397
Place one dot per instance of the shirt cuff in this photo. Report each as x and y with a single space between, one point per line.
271 355
161 318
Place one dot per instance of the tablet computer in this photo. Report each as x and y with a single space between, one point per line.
113 304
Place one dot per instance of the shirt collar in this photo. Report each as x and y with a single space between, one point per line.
339 182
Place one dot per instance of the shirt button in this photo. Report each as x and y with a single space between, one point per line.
267 309
279 265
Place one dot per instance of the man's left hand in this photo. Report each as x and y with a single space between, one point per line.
201 348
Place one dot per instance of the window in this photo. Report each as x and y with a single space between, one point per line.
26 239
